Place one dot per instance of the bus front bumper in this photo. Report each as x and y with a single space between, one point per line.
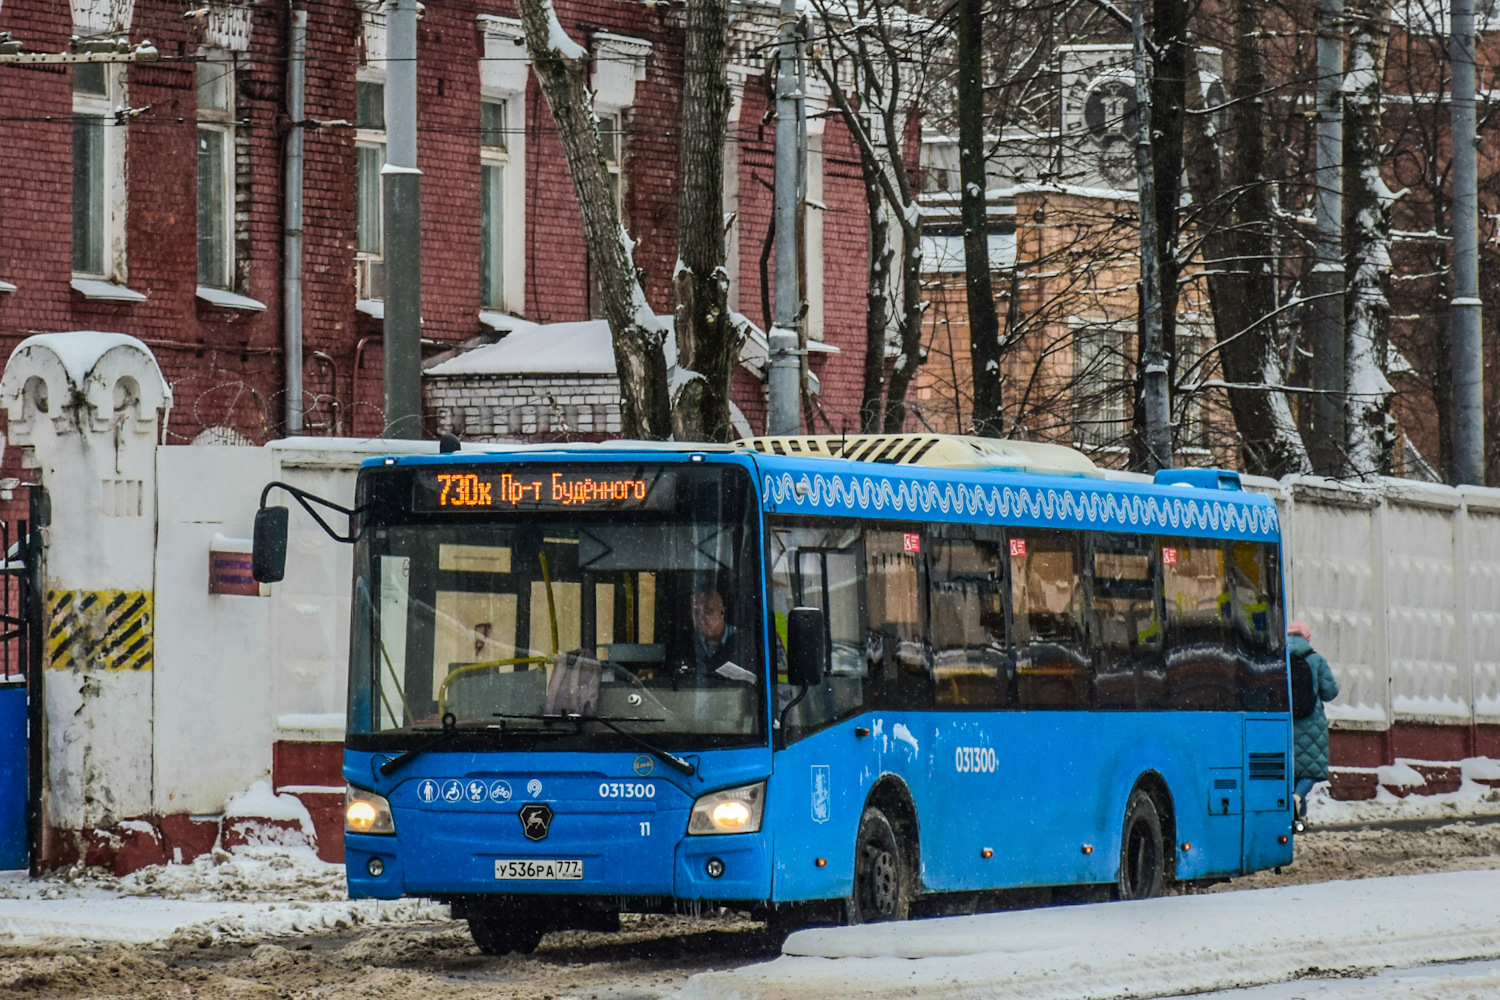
707 868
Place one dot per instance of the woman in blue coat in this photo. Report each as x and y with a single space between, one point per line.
1310 734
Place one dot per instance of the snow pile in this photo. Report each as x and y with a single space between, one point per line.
1180 944
247 894
260 817
1473 798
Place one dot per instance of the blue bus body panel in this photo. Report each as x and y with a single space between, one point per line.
844 489
1057 783
457 813
834 488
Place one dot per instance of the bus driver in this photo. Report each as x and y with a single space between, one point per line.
715 648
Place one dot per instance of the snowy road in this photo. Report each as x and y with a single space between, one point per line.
1152 948
214 932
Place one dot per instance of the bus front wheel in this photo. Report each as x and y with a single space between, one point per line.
1142 856
882 873
498 934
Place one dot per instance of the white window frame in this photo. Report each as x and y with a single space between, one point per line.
221 121
503 75
1100 421
115 193
619 64
507 247
369 265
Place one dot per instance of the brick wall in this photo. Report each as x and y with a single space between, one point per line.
515 408
227 366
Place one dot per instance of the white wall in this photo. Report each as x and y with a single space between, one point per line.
1400 582
239 673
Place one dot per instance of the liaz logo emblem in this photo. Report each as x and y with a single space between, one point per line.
644 765
536 818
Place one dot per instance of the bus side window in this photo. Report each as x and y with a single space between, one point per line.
894 593
816 564
1255 586
1052 663
1201 667
1126 624
971 661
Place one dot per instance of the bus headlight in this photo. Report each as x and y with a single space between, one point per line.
734 810
366 812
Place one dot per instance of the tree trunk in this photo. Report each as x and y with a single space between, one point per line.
561 66
706 340
984 321
912 307
1368 428
1233 209
877 304
1169 33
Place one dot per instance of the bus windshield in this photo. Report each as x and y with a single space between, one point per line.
573 605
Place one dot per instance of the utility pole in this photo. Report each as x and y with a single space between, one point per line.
1154 388
1464 305
291 294
402 201
785 413
1327 449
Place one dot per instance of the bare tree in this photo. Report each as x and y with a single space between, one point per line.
871 57
1368 426
984 321
1235 213
562 67
707 343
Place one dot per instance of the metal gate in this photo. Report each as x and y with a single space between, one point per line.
21 717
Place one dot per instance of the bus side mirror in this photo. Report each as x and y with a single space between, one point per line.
268 554
805 654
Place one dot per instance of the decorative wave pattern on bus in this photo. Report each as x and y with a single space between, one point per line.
867 494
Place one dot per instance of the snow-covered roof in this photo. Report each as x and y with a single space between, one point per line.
582 348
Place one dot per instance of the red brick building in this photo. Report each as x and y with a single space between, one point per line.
148 198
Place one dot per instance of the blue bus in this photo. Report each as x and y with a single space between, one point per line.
838 677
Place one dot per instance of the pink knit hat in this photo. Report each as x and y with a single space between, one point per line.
1300 627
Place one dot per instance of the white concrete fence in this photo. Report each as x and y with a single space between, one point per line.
1400 581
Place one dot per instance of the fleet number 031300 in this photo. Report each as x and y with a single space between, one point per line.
626 790
980 759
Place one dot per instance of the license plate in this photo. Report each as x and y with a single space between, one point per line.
539 870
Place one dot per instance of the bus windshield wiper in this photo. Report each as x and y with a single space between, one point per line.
450 731
671 759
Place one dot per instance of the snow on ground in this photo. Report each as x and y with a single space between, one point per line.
1182 944
247 894
1473 798
1460 981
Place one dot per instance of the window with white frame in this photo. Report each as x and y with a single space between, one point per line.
494 165
612 135
1099 397
216 171
1193 363
369 151
98 172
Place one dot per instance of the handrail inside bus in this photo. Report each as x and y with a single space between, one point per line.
472 668
551 604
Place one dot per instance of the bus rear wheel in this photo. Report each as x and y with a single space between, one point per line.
498 934
1142 856
882 872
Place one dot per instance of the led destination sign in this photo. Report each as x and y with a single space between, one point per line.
542 489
